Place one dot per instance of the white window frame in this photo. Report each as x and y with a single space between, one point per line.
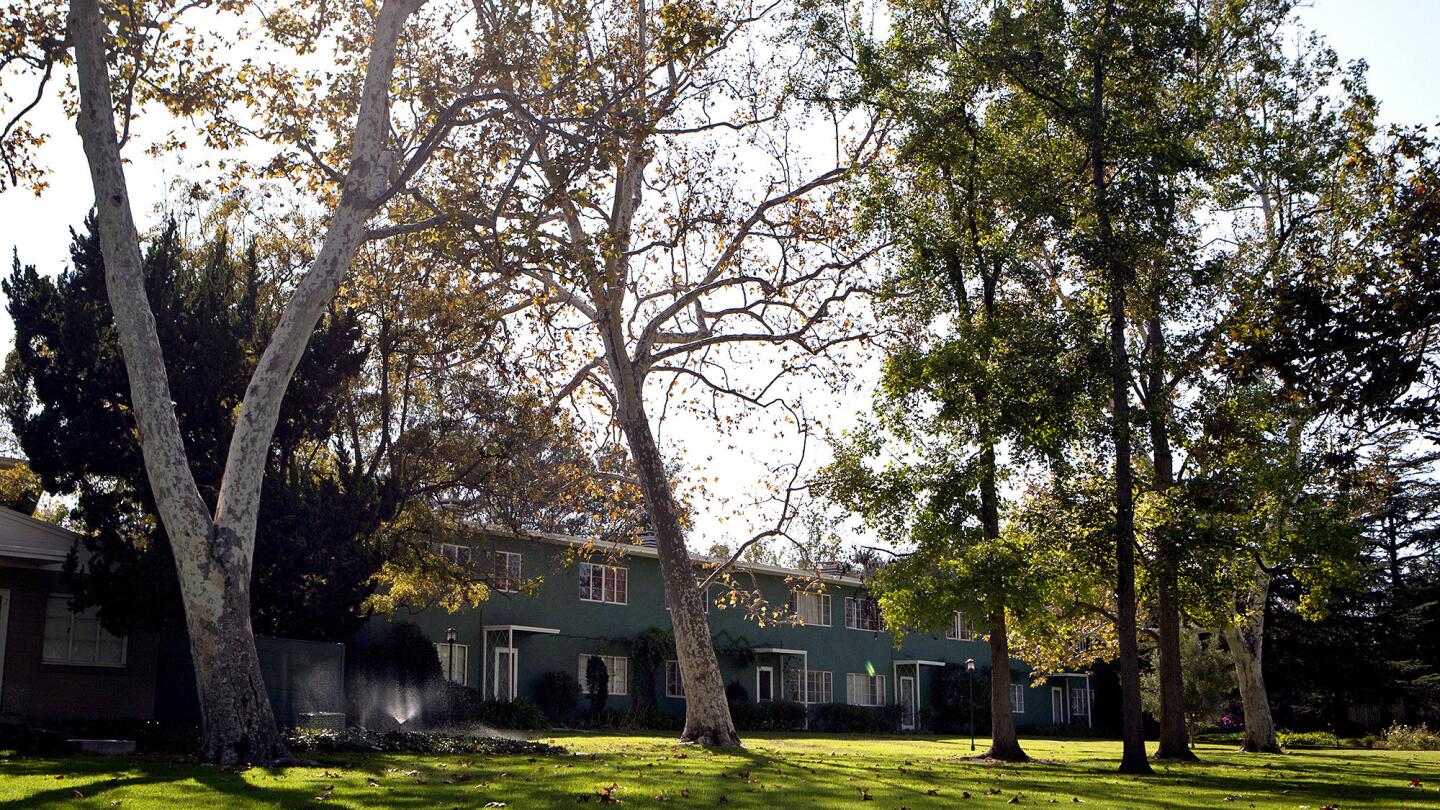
1086 697
611 662
861 688
502 576
461 555
1017 698
442 649
69 659
768 673
674 680
855 608
820 606
610 587
959 630
817 686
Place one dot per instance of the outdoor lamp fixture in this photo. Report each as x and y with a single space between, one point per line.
450 662
970 685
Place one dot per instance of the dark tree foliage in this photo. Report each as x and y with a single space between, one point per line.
66 396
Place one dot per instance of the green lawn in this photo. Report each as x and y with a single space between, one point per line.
773 772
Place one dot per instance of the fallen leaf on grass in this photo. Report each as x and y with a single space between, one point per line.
75 794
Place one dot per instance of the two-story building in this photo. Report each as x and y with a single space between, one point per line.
556 601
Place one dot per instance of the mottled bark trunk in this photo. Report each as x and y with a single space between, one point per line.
707 713
1132 721
213 552
1004 744
1174 736
1247 646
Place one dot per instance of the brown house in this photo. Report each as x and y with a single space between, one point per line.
57 664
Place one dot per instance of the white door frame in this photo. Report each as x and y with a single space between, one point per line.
514 671
1057 693
4 628
914 702
769 673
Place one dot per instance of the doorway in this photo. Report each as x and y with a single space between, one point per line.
1057 706
907 703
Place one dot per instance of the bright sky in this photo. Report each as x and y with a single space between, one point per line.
1393 36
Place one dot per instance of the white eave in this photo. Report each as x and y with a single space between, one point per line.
32 541
519 628
780 651
651 551
920 662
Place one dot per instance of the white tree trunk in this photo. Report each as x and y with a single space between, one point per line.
707 713
1247 644
213 554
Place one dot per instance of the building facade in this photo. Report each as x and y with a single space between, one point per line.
556 601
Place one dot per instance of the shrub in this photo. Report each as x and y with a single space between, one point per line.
514 714
597 685
641 720
842 717
769 716
735 693
402 656
314 741
1308 739
558 693
1410 738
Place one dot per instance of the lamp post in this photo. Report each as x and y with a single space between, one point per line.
450 675
970 686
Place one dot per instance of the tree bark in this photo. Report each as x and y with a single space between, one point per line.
707 713
1004 745
1174 735
1247 643
1133 758
214 552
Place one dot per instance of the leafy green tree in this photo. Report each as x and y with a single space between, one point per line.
1209 680
67 400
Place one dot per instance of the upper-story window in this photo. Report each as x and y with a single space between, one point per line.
455 553
959 630
863 613
77 638
812 608
604 583
505 571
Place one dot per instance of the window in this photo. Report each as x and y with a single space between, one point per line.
812 608
614 667
959 630
463 556
865 690
604 583
819 686
453 669
764 684
863 613
78 638
1080 702
505 571
1017 698
674 684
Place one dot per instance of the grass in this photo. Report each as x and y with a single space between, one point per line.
774 772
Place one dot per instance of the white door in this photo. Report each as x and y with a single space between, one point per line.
506 666
764 684
907 702
1057 706
4 625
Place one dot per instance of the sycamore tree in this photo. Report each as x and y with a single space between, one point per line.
684 253
330 126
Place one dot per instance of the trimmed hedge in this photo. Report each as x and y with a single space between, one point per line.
842 717
771 716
